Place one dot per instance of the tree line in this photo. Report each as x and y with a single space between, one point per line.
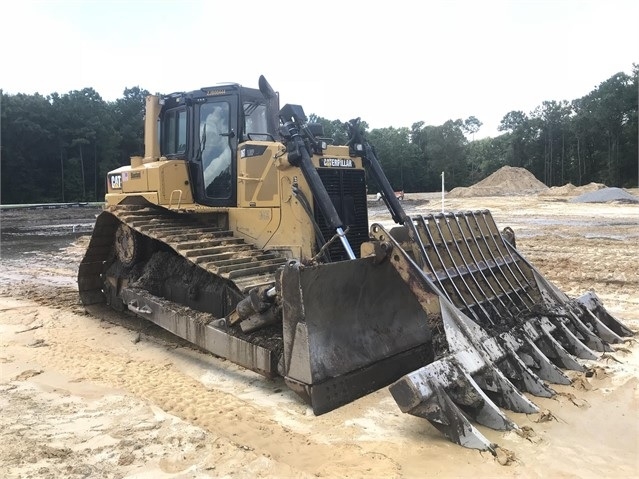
58 148
589 139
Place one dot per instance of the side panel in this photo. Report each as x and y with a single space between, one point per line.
162 182
174 184
258 180
256 224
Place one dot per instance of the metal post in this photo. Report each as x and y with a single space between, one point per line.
442 191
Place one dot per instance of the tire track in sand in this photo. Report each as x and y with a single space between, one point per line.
250 427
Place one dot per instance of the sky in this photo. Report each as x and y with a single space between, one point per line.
390 63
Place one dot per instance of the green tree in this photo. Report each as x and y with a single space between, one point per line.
471 126
552 121
28 174
128 121
399 157
486 156
86 138
520 134
443 149
335 130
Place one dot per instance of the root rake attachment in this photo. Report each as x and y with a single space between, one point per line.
500 329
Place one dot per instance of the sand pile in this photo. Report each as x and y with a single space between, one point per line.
572 190
606 195
506 181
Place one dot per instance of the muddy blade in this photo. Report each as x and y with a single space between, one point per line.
349 328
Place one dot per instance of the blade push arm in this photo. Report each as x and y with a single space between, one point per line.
293 119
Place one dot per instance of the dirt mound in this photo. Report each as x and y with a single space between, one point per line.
507 181
571 190
606 195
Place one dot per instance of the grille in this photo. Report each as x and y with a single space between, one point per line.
347 190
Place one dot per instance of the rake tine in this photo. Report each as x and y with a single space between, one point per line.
593 304
591 339
574 345
472 345
561 355
529 380
534 333
482 409
545 368
603 331
506 394
590 302
531 356
427 399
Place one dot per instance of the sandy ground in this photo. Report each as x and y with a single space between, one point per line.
88 397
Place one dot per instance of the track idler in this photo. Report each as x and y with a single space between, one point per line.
501 328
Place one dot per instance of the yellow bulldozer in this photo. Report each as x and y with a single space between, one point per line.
245 231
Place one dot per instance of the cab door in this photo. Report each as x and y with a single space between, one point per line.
214 168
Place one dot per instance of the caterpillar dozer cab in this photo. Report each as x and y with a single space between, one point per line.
244 231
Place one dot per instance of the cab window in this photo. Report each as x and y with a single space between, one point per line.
174 134
215 148
256 124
